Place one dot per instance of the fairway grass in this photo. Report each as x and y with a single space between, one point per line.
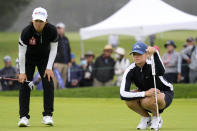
95 114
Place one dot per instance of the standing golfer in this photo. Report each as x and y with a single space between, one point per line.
37 47
143 100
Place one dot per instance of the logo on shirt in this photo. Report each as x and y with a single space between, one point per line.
32 41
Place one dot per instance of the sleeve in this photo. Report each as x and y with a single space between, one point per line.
22 53
52 55
54 35
53 45
117 69
159 67
125 92
186 51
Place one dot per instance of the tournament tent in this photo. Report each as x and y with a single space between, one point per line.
140 18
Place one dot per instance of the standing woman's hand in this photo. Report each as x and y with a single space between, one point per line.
22 78
49 73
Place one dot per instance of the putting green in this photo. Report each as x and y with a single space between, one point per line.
86 114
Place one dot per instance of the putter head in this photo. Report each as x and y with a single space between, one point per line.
31 85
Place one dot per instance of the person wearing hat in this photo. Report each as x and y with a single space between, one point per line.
121 64
189 54
142 100
10 72
172 63
37 48
88 70
104 68
63 53
184 63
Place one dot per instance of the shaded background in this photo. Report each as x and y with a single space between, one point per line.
15 14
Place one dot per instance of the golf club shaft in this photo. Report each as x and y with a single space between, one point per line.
11 79
156 98
155 87
30 83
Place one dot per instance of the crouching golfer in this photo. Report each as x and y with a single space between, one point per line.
142 100
37 48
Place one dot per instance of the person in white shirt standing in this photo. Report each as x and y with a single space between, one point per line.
121 64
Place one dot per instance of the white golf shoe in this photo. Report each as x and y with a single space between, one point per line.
144 123
156 123
23 122
47 120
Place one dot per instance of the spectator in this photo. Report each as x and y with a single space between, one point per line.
184 63
121 65
74 76
171 61
10 72
88 69
113 41
190 55
104 68
63 54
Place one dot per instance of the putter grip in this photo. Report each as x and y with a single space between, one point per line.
153 65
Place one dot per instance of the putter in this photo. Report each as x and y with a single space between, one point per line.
153 73
30 83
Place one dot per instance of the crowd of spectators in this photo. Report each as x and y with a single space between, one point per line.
108 68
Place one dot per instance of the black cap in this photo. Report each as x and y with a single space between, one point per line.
170 42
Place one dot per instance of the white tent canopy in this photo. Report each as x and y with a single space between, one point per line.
140 18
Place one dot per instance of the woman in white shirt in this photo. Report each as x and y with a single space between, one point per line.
121 65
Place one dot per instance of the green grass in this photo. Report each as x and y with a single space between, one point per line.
9 43
87 114
181 91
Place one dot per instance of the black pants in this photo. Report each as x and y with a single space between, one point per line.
24 93
185 74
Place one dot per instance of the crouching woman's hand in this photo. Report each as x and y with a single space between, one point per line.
151 92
